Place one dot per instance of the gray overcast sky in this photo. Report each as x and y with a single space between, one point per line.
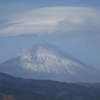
72 25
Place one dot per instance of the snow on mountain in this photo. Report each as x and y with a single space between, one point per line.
48 62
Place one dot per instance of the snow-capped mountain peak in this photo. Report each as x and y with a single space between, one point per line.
49 62
45 59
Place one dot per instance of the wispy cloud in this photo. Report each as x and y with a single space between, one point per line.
53 21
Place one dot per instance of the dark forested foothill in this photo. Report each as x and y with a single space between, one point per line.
29 89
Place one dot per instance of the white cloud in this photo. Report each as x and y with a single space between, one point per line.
53 20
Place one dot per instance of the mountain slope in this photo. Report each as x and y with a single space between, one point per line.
48 62
45 89
21 94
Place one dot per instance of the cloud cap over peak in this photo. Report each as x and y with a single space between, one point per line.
48 21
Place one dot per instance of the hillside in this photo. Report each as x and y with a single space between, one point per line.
49 90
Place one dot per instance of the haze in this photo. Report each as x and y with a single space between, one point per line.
73 26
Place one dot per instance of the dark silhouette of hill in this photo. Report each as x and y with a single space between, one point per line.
45 90
20 94
90 85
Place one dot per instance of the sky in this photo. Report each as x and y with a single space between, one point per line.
72 25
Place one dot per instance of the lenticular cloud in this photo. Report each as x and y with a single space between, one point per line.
53 21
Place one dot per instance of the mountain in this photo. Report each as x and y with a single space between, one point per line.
49 63
90 85
23 89
21 94
19 88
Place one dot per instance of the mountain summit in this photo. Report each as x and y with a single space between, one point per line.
49 63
